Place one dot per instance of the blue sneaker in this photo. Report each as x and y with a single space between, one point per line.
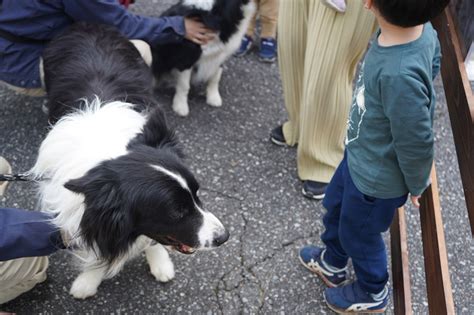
312 257
352 299
268 50
245 46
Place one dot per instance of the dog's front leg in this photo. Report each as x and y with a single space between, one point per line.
213 95
180 100
160 263
87 282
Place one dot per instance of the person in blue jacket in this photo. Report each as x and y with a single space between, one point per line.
26 26
26 238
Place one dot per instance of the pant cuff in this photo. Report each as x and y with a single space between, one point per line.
332 259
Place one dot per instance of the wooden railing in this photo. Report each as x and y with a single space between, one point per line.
460 102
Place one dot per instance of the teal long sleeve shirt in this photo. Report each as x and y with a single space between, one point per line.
390 127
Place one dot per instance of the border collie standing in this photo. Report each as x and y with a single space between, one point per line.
190 62
113 174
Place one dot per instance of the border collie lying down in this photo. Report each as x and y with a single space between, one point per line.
191 62
112 174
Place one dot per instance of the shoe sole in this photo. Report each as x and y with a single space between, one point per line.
320 274
241 54
245 52
278 142
341 311
311 196
267 60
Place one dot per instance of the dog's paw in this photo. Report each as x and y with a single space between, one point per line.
181 108
163 272
214 99
82 288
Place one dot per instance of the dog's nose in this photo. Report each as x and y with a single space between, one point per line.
221 238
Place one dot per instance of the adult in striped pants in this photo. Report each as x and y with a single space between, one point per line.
319 50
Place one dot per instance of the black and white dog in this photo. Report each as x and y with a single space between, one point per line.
113 174
190 62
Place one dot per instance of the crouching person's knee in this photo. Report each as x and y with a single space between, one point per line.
18 276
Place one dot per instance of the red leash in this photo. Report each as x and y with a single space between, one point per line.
126 3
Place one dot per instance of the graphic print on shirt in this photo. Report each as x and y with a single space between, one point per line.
358 110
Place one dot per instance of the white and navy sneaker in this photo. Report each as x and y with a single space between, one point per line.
268 50
314 190
245 46
277 137
312 257
352 299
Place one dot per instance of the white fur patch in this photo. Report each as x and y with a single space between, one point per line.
205 5
211 226
181 181
180 99
86 283
215 53
160 263
77 143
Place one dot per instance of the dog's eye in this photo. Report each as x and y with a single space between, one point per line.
177 214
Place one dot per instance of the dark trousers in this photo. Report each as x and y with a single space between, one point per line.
354 225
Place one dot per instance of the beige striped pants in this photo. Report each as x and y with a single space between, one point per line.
319 50
18 276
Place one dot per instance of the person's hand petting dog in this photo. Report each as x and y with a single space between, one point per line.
197 32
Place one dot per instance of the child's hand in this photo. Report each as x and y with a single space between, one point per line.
415 200
197 32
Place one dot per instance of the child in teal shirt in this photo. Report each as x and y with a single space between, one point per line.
389 154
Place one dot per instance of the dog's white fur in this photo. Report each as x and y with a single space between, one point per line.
200 4
214 54
77 143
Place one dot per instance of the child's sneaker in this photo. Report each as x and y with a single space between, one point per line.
338 5
352 299
312 257
245 46
268 50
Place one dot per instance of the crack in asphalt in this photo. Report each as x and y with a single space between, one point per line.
223 286
222 194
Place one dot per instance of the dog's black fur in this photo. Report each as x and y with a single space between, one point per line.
223 18
92 60
124 196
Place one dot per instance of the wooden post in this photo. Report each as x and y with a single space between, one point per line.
438 284
460 101
400 265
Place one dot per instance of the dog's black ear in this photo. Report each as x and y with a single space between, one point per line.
106 225
157 134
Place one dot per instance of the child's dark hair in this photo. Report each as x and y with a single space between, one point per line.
407 13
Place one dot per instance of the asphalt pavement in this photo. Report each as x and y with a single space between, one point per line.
252 186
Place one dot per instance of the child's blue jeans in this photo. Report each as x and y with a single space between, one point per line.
354 225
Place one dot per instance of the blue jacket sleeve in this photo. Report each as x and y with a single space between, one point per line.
27 234
152 30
